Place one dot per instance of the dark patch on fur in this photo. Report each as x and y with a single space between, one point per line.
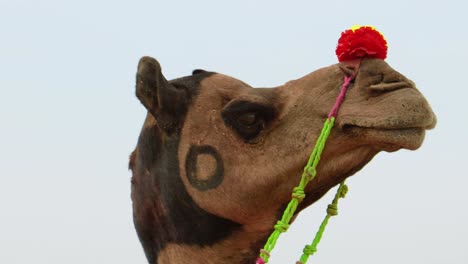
234 110
163 210
189 84
198 71
255 249
191 168
131 162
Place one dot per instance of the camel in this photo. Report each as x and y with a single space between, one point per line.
216 159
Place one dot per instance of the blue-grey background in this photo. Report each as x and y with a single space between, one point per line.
69 120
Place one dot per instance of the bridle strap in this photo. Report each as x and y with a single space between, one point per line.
309 174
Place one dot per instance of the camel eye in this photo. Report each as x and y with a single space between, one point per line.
247 119
249 125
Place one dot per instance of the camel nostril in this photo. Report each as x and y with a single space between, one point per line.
346 128
388 87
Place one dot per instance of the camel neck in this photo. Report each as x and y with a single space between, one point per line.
241 247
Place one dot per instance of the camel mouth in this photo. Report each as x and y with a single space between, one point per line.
392 133
387 139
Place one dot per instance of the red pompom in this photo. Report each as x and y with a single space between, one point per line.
361 42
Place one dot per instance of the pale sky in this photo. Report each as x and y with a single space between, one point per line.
69 120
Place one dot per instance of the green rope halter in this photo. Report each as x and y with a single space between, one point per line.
353 45
298 194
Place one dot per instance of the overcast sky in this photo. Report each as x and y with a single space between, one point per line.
69 120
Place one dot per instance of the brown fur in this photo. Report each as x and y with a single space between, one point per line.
239 244
383 111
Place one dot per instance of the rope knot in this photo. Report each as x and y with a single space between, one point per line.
298 193
310 173
332 209
281 226
309 250
343 191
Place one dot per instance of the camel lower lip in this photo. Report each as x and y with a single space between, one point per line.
388 139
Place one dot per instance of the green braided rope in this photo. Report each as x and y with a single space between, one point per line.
298 192
332 210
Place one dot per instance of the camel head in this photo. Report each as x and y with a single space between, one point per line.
216 159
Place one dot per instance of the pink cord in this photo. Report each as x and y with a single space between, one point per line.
340 98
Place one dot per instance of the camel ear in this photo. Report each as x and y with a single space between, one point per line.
161 99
